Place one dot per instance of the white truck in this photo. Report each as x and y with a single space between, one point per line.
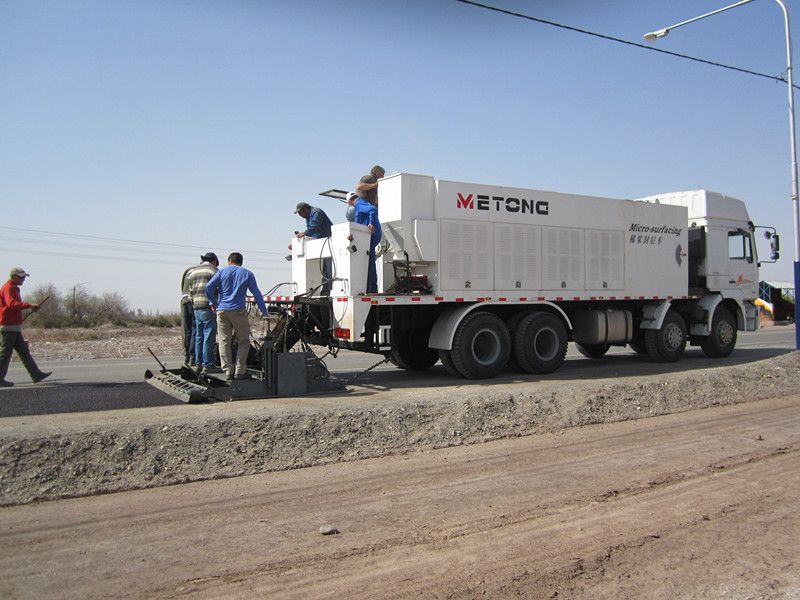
484 277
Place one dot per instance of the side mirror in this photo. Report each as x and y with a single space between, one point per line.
775 246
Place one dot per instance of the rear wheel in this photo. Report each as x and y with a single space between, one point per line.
722 339
480 346
447 363
667 343
540 343
410 351
593 350
512 325
637 344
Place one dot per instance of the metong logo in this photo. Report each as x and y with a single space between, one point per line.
502 203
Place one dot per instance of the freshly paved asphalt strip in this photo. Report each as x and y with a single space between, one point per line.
80 386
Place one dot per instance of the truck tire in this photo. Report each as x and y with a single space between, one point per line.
447 363
592 350
511 324
637 344
481 345
410 351
667 343
540 343
722 339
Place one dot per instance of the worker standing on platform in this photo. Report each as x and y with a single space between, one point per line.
318 226
367 214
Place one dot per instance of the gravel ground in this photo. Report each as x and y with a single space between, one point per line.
104 342
102 454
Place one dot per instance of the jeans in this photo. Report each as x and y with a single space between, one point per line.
327 273
10 341
187 321
230 323
372 270
205 336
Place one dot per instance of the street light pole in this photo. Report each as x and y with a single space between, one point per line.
654 35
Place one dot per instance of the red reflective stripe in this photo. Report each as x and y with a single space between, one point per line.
366 299
416 299
541 298
459 299
576 297
390 299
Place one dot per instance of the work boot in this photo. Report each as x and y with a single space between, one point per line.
4 383
211 369
243 376
229 375
41 376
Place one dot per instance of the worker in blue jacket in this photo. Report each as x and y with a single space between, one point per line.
318 226
367 214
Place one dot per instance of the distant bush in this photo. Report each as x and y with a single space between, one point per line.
78 308
158 320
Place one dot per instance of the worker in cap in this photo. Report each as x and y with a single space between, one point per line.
205 321
11 339
318 226
350 211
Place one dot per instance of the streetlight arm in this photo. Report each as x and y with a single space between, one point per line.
653 35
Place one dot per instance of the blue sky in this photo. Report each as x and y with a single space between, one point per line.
184 126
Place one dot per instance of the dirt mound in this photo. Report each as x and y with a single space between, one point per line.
108 455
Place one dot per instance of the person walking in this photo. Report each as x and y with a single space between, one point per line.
11 339
187 319
318 226
231 285
205 322
367 214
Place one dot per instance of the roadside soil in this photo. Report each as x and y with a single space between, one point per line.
106 341
57 456
699 504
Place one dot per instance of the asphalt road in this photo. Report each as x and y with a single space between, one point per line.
79 386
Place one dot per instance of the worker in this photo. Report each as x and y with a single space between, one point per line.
350 211
367 214
367 186
318 226
205 341
226 292
187 319
11 307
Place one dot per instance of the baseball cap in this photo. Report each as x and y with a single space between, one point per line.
351 195
19 272
209 257
301 206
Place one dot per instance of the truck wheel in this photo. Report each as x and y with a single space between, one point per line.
480 346
637 344
638 347
667 343
447 363
540 343
593 350
512 325
722 339
411 351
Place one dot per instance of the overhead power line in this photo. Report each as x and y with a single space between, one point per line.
610 38
123 240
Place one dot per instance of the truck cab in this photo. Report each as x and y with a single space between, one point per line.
722 251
